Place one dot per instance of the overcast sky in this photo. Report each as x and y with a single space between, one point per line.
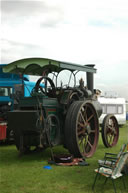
80 31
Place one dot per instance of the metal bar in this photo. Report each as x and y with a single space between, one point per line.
77 67
105 181
123 182
95 181
114 185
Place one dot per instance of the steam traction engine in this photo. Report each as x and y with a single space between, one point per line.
63 111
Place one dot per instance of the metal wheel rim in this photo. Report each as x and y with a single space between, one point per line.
52 121
112 132
87 131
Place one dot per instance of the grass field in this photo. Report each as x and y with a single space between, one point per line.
25 174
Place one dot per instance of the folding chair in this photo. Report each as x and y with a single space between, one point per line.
111 158
112 172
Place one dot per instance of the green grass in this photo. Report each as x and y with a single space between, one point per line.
25 174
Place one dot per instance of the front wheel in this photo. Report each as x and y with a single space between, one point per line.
110 131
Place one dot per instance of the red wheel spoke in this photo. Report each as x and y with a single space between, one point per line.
81 132
90 144
90 118
81 124
110 127
83 118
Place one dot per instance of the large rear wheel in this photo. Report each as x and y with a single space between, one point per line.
81 129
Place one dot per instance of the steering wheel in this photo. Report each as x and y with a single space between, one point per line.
44 90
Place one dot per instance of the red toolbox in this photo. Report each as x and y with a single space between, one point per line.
3 127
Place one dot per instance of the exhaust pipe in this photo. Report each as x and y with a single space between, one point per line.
90 82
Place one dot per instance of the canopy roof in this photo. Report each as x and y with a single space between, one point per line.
37 66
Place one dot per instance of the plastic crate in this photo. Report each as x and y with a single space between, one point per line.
3 127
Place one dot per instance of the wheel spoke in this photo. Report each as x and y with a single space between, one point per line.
81 124
90 144
110 127
81 132
83 143
83 146
80 141
110 138
83 118
90 118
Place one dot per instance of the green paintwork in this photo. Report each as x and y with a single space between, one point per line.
32 101
36 66
50 105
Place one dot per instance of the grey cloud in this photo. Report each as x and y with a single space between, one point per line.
12 51
22 7
51 21
26 8
46 15
16 44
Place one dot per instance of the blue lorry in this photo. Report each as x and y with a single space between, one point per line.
9 84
